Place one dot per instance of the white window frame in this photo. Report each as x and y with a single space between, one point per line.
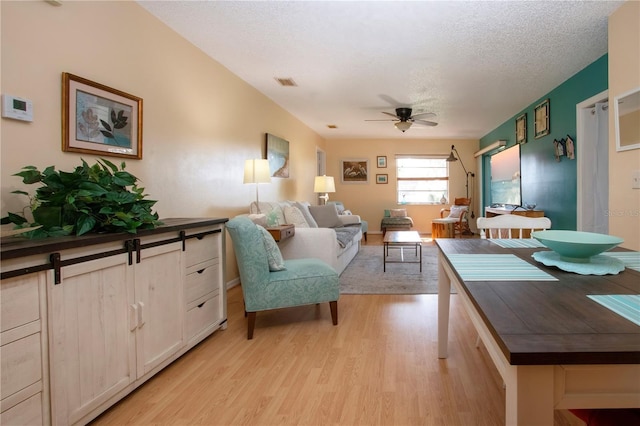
437 195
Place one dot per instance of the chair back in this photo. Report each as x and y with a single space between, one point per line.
462 201
503 226
251 255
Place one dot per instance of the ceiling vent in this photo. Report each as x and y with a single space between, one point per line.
286 82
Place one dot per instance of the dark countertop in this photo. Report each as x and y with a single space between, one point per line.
15 247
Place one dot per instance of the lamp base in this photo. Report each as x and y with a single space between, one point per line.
324 197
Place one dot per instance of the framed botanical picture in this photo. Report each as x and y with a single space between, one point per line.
541 116
278 156
382 161
100 120
354 170
382 178
521 129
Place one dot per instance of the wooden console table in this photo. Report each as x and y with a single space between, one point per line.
496 211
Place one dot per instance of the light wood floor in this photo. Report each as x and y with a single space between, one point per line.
379 366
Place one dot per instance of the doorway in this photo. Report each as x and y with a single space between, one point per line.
321 166
592 152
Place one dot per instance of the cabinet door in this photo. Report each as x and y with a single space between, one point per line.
159 295
92 341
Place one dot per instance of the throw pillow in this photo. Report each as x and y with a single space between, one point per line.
326 216
387 213
294 216
274 256
456 211
304 208
398 212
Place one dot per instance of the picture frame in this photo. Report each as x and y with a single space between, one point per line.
382 161
277 151
100 120
382 179
541 119
354 170
521 129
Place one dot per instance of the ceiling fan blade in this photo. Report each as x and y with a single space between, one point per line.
424 115
383 120
425 122
392 115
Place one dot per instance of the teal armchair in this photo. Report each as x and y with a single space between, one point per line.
303 282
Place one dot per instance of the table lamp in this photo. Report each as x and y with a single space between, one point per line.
323 185
257 171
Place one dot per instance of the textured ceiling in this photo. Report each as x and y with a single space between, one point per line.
473 63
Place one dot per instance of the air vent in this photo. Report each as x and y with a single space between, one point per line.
332 126
286 82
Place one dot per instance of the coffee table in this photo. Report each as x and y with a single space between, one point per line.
400 239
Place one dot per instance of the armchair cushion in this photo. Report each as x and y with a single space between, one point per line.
326 216
455 212
276 262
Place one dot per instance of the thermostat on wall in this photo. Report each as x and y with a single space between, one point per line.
17 108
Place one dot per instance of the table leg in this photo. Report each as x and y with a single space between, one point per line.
444 294
529 395
420 256
385 253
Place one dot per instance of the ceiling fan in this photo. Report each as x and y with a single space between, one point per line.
404 119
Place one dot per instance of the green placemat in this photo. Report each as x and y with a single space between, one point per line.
625 305
496 267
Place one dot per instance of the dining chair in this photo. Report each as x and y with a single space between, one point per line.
510 226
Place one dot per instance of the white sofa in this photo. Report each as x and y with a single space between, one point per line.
313 241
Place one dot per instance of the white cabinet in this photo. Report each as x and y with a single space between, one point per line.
106 318
110 324
23 384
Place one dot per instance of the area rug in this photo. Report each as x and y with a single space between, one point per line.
364 274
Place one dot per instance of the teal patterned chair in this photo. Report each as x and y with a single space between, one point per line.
302 282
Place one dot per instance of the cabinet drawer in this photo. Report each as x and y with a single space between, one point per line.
21 364
19 301
202 249
28 412
204 279
203 316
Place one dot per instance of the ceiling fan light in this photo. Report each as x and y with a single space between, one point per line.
403 126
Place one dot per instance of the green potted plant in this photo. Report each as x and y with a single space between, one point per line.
98 198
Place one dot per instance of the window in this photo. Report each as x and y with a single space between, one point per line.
421 179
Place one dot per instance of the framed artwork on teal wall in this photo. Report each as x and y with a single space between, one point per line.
541 117
521 129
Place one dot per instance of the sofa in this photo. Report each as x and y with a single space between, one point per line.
319 231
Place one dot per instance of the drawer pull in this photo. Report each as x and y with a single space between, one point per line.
202 270
202 304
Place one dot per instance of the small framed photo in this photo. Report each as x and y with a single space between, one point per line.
354 170
382 178
521 129
541 115
382 161
100 120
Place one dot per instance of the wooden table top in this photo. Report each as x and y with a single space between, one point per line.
551 322
402 237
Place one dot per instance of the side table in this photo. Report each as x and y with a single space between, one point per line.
282 232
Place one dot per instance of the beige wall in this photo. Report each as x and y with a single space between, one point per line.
370 200
200 121
624 75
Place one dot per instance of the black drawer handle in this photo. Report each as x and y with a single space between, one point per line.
202 304
202 270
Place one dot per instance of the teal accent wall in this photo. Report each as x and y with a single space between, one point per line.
552 185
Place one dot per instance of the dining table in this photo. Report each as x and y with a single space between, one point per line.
559 339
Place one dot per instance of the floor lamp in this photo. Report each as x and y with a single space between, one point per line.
323 185
257 171
452 158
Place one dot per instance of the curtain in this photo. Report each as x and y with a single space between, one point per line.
595 154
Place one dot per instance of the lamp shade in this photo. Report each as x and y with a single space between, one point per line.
324 184
403 126
257 171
